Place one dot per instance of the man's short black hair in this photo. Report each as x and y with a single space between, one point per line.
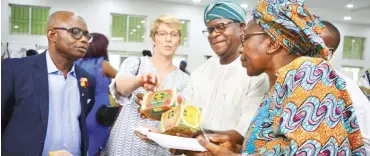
147 53
334 31
31 52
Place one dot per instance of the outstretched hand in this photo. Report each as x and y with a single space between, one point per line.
149 82
217 150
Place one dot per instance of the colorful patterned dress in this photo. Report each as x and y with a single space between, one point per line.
307 112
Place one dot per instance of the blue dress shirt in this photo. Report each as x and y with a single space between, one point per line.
63 130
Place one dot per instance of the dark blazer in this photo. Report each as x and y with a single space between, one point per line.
25 105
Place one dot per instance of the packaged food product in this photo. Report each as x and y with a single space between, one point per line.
60 153
156 103
184 119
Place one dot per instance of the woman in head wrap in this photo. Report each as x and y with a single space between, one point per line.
307 110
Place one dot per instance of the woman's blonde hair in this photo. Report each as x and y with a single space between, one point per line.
172 21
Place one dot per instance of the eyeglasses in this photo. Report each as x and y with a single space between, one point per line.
163 34
331 50
219 28
77 33
331 55
244 37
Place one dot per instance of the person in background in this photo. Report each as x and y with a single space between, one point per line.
165 33
96 63
31 52
45 98
308 109
364 84
331 37
182 67
147 53
19 54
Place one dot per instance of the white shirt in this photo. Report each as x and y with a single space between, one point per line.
362 109
227 96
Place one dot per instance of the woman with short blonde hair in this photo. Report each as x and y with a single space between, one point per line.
166 19
165 34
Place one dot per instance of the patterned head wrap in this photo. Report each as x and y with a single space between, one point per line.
228 9
290 23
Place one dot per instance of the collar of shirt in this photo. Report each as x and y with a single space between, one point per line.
234 63
52 69
237 61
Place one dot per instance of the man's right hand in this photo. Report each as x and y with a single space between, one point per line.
220 139
225 141
222 148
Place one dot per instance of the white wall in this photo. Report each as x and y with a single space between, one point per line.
97 15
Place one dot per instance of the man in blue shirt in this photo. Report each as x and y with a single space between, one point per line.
45 98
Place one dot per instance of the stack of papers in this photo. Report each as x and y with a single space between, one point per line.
172 142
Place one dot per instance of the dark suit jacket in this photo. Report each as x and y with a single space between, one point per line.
25 105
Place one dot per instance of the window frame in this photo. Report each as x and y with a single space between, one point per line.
348 51
30 21
186 22
126 38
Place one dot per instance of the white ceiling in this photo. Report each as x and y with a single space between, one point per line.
332 10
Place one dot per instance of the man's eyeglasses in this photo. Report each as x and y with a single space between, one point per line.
244 37
331 50
221 27
77 33
331 55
